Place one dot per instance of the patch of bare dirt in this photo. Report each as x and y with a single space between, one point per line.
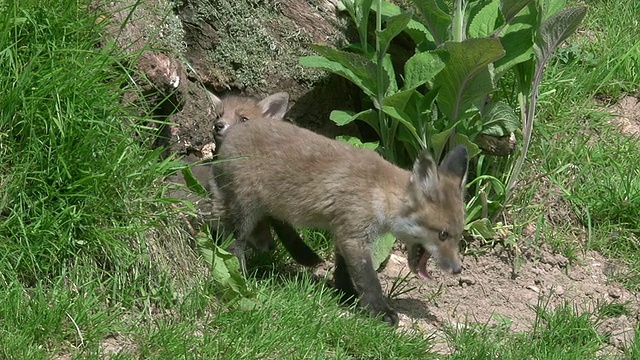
627 115
110 346
116 345
490 288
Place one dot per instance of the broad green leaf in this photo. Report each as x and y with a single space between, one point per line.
392 85
402 117
499 120
425 104
402 107
416 30
192 183
225 268
359 11
342 118
511 8
472 148
399 100
381 249
484 23
518 47
358 143
354 67
422 67
435 19
438 141
394 27
466 78
481 227
517 40
556 29
551 7
524 73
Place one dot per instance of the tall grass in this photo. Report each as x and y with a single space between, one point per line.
75 185
588 159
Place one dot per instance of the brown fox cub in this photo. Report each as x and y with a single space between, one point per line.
276 170
232 110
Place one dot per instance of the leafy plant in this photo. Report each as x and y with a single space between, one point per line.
445 92
224 266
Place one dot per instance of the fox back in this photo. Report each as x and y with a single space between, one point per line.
277 170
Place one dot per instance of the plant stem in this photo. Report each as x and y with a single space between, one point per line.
458 20
527 128
385 128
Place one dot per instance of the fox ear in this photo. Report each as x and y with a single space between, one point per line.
425 173
214 99
456 163
275 106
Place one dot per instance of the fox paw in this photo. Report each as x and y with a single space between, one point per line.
389 316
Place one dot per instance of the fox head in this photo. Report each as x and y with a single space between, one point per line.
231 110
432 219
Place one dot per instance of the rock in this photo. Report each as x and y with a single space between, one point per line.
558 290
466 280
620 330
614 293
533 288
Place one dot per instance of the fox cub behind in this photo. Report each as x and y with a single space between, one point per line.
233 109
276 170
236 109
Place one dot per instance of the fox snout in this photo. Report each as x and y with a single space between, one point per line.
450 262
219 127
457 269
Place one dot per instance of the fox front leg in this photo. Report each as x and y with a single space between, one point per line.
353 259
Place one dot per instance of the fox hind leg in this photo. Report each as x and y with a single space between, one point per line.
294 244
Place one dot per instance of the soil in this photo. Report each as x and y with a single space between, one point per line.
489 290
626 115
492 290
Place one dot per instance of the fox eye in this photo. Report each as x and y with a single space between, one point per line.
443 235
243 119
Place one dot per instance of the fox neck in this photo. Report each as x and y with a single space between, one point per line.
391 211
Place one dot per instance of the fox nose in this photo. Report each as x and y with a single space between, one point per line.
218 127
456 268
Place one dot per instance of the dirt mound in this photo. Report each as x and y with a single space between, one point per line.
490 290
627 115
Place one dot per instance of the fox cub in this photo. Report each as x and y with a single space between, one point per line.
274 170
232 110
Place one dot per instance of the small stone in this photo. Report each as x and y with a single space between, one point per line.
615 293
622 338
537 271
465 280
561 260
533 288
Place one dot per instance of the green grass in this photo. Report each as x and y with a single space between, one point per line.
562 333
75 182
289 318
587 158
89 250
